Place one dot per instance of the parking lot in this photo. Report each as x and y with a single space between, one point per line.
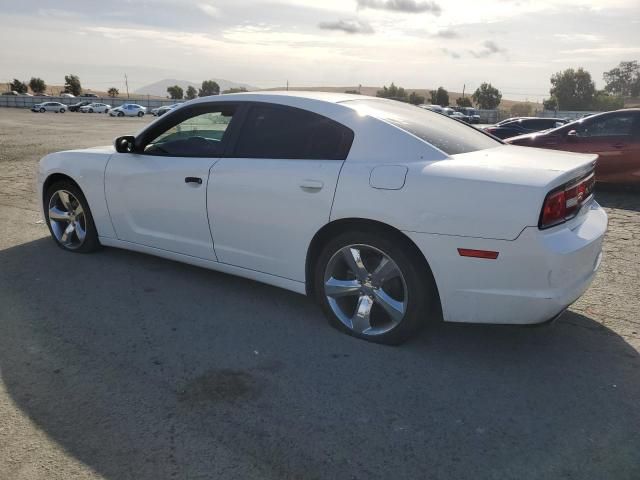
119 365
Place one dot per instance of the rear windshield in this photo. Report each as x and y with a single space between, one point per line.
444 133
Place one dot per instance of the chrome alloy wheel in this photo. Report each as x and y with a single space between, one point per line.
365 289
67 219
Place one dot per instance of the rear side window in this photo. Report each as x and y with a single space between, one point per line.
271 131
450 136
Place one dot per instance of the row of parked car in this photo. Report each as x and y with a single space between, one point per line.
125 110
465 114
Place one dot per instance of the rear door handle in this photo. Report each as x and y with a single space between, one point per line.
197 180
618 145
311 185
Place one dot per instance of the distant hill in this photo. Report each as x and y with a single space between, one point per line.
159 89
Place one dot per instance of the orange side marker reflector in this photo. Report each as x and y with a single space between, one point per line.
467 252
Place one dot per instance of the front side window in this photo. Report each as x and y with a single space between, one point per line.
271 131
613 125
200 135
450 136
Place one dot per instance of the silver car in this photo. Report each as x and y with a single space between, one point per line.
49 107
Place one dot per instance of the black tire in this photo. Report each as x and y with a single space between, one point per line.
62 110
42 109
91 242
91 110
121 114
421 292
106 110
141 114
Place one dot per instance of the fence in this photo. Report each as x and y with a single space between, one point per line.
24 101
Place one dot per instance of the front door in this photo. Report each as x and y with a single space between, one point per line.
157 197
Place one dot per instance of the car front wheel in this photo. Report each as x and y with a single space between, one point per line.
373 286
42 110
140 114
120 114
69 218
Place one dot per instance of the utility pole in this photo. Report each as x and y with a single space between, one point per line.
287 85
126 82
464 87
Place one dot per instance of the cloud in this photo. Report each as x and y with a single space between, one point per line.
405 6
446 33
450 53
489 48
347 26
209 9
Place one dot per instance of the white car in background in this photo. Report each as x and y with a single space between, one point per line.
383 212
158 112
49 107
96 108
128 110
67 95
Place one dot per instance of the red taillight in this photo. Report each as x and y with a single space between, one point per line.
564 203
468 252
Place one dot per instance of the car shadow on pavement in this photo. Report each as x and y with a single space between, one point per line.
618 196
143 368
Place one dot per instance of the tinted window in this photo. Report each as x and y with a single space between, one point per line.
619 124
450 136
271 131
200 135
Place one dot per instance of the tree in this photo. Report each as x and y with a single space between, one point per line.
393 92
550 103
72 85
113 92
521 109
463 102
237 90
18 86
37 85
573 89
440 97
209 87
603 102
191 92
175 92
624 79
487 97
416 99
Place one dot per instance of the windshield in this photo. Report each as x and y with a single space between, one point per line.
450 136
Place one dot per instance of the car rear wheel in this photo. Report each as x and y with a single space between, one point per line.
69 218
372 286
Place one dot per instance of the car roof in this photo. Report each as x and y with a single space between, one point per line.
278 96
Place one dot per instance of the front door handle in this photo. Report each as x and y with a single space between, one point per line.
311 185
197 180
618 145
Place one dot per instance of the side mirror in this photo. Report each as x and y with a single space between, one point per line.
125 144
572 135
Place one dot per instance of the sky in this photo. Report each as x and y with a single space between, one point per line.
514 44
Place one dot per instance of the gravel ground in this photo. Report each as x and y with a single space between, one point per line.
123 366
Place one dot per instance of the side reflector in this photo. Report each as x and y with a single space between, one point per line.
467 252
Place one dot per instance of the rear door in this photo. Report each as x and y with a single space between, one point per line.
270 195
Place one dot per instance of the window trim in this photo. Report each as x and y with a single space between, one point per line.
231 151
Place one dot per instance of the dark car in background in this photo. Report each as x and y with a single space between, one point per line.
523 125
76 106
614 136
470 112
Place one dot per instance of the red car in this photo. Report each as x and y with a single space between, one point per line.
614 136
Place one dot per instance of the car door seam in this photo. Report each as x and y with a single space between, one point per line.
335 190
206 208
104 189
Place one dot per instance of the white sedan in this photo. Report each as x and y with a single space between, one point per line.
385 213
49 107
96 108
128 110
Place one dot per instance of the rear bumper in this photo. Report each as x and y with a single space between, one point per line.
535 277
